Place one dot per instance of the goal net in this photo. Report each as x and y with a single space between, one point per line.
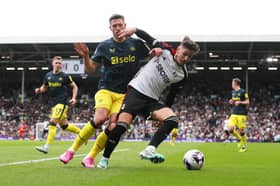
60 134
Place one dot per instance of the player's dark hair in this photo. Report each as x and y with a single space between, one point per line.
237 81
116 16
57 57
190 44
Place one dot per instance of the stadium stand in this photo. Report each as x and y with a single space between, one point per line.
201 107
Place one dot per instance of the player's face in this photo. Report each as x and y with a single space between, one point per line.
183 55
234 85
57 65
116 26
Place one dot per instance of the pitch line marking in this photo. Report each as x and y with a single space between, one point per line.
46 159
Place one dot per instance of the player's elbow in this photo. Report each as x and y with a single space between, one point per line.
75 88
90 69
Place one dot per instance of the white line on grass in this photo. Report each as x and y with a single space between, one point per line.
47 159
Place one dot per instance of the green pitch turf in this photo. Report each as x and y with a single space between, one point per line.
224 166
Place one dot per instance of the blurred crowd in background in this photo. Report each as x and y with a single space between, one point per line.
201 108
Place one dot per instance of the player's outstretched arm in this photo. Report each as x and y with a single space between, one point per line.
129 31
155 52
151 41
83 51
246 102
73 100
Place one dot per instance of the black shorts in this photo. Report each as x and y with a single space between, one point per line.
138 103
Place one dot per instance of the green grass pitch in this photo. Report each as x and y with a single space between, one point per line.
224 166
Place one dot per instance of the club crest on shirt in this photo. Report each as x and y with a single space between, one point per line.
132 49
112 50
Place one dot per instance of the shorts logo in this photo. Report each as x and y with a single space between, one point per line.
123 106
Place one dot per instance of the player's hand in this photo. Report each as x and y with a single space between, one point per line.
155 52
236 103
126 32
174 132
81 49
231 101
73 101
37 91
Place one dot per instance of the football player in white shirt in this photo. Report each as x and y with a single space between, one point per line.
143 94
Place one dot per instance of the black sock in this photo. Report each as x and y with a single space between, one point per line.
107 131
93 124
64 127
164 130
114 138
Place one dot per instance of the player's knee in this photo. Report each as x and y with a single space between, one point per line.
64 126
231 129
241 132
52 124
99 120
94 125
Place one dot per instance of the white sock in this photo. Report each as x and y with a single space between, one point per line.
150 148
105 158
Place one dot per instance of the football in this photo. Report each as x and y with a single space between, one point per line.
194 159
